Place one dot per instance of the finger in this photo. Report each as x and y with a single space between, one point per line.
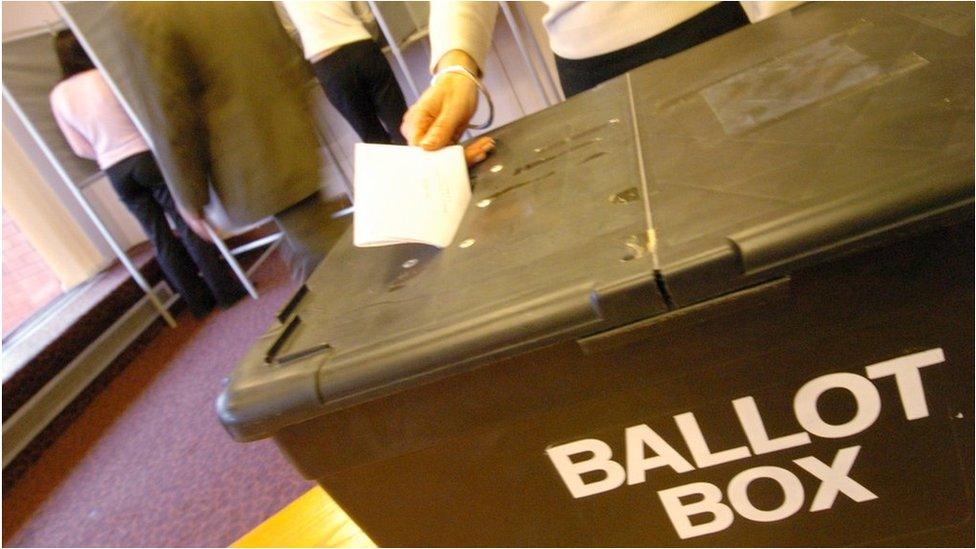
198 226
451 118
416 123
201 230
485 143
478 150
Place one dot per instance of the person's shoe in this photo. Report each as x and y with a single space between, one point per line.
228 301
202 309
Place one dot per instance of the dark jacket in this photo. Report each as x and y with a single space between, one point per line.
226 94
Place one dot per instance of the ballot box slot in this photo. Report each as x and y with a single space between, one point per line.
303 354
271 357
289 307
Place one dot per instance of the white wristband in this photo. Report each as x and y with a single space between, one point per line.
458 69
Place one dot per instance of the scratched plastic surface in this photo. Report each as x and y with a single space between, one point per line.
549 222
554 217
814 107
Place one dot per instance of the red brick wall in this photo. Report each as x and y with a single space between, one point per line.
28 283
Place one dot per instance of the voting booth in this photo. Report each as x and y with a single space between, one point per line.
725 299
31 70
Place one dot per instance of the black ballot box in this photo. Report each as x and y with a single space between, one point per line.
725 299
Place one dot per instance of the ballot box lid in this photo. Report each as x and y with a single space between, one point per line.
797 140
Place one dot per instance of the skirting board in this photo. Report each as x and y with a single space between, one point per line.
27 422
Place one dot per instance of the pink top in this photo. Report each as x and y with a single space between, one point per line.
93 121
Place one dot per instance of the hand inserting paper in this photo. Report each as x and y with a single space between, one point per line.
406 194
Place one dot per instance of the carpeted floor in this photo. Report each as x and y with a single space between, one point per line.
147 463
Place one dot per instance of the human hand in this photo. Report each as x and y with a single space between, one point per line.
478 150
443 111
195 221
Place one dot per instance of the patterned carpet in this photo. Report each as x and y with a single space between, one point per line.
147 463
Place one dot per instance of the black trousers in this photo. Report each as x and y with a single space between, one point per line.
141 186
579 75
360 84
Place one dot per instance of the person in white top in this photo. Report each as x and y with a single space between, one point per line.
592 42
98 128
351 68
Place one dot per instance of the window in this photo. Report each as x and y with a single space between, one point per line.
28 283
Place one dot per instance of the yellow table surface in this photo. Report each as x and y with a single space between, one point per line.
312 520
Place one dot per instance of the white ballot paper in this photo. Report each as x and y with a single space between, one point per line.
409 195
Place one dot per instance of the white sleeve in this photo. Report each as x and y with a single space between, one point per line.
465 26
301 14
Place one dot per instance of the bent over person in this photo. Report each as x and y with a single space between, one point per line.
97 127
224 92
